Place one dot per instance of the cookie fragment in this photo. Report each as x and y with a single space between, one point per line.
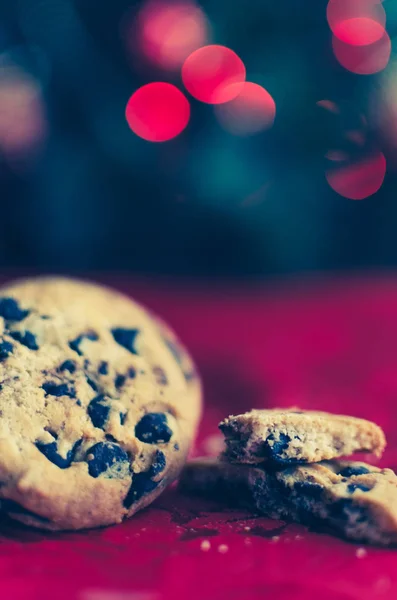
360 507
292 437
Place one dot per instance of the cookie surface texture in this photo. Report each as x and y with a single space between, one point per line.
351 499
291 436
99 403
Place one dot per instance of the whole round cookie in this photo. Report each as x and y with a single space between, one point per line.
99 404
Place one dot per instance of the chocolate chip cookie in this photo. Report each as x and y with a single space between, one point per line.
99 403
355 500
293 436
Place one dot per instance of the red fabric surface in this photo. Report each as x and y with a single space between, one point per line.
324 345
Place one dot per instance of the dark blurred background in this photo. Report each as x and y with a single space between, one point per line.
81 191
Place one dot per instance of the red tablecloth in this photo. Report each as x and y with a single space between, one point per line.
325 345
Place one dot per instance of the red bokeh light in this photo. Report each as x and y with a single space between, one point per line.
169 32
157 112
358 180
359 31
342 11
210 72
253 110
329 105
363 60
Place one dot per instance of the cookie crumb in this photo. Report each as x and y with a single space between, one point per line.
247 542
223 548
361 553
247 528
205 545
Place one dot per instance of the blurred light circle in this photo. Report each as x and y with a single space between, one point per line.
169 32
253 110
22 117
358 180
363 60
210 72
359 31
157 112
342 11
337 155
329 105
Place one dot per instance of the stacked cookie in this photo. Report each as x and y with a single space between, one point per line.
286 464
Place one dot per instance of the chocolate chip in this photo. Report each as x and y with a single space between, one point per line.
274 452
352 487
103 368
50 451
350 471
107 455
131 373
98 411
75 344
5 350
123 418
126 338
142 483
153 429
119 381
52 388
11 311
161 377
176 447
92 383
67 365
27 339
45 317
158 464
313 490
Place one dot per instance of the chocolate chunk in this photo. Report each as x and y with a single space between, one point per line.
27 339
352 487
350 471
10 506
75 344
158 464
176 447
98 411
131 373
45 317
313 490
50 451
161 377
11 311
119 381
103 368
92 383
142 483
5 350
52 388
274 452
123 417
126 338
153 429
106 455
67 365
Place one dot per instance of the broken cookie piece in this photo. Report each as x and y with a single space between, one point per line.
293 437
355 500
